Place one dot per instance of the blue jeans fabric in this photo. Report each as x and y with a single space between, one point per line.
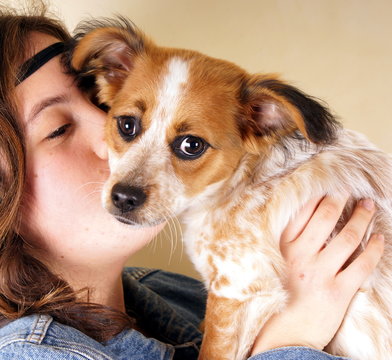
295 353
168 306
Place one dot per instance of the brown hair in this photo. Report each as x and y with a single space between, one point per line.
27 286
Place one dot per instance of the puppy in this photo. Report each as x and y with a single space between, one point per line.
235 155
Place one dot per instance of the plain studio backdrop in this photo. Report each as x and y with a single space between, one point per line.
337 50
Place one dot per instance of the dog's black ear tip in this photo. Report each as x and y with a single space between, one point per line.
322 138
321 126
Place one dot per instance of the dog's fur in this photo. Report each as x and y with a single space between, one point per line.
268 149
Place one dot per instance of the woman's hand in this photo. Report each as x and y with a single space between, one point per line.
320 290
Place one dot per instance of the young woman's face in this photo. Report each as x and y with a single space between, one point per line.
66 169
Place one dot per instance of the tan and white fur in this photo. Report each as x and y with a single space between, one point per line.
235 155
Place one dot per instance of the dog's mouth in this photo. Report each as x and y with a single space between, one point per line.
127 221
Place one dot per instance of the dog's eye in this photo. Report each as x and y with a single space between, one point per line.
128 126
189 147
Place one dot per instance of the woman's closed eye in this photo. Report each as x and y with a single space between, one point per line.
59 132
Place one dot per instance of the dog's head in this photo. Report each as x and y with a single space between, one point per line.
180 122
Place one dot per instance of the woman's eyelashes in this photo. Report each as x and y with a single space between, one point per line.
59 132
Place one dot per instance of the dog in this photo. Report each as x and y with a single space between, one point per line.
235 155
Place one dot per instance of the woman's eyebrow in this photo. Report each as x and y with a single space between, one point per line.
45 103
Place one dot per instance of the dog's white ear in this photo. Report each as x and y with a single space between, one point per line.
273 108
107 54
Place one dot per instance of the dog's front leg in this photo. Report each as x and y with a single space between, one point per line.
231 325
220 328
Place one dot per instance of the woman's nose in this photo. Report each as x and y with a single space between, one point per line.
97 138
101 149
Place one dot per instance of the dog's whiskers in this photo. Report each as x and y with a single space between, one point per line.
90 183
89 196
172 230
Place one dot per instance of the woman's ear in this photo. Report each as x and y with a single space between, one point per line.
272 107
107 54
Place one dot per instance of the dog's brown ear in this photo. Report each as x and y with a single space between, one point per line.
108 54
275 108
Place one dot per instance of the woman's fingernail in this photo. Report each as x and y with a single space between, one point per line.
368 204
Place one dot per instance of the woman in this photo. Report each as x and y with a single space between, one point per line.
63 292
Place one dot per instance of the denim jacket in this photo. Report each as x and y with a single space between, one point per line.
170 306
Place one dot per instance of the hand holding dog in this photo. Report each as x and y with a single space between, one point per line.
320 290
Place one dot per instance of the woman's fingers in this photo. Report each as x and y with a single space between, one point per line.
320 225
317 301
357 272
339 250
319 290
296 226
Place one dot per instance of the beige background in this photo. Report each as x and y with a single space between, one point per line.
337 50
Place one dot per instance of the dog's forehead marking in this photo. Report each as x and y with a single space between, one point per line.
169 94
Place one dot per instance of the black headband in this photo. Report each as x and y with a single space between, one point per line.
39 59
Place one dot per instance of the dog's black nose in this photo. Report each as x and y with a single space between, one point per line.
127 198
